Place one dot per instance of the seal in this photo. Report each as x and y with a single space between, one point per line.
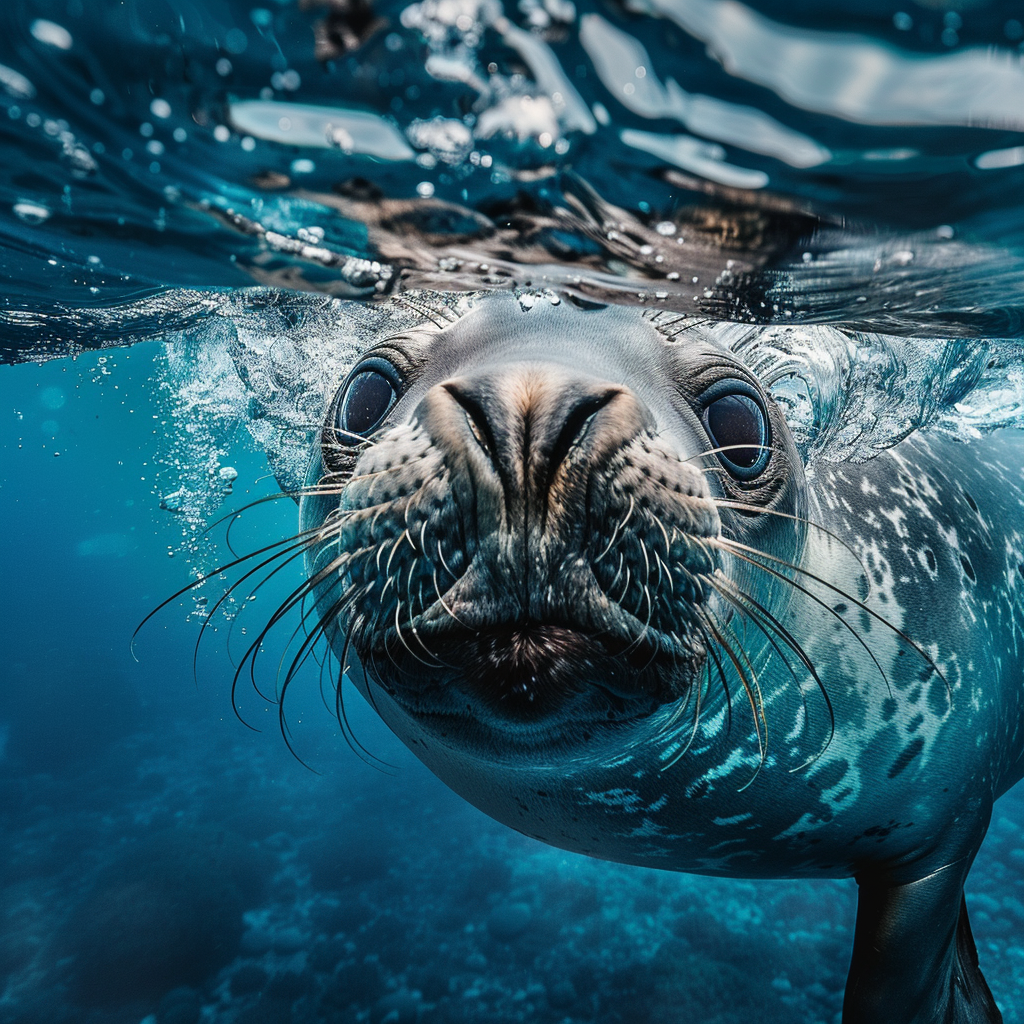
574 560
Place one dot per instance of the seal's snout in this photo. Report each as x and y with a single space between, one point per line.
528 428
523 548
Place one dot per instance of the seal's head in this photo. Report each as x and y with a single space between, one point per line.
521 520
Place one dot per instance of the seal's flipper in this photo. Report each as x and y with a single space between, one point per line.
914 958
972 997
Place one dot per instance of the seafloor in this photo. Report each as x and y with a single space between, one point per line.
188 878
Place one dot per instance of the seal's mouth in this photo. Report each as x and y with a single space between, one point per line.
533 678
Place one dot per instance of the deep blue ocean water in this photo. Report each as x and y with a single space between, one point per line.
160 861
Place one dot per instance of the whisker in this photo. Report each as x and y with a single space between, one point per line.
445 605
728 448
752 690
401 637
412 628
343 722
723 585
428 312
296 596
804 590
325 669
205 577
743 506
710 648
302 655
294 552
440 554
615 532
681 753
925 657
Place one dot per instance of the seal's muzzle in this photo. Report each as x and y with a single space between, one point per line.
526 546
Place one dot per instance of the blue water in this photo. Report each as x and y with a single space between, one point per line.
159 856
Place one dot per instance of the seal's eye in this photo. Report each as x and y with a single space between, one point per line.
365 399
737 423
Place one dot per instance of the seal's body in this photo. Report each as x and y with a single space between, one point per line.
575 562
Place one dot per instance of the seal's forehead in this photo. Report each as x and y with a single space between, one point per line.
611 341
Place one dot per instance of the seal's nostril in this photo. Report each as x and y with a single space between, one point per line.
573 429
528 424
477 420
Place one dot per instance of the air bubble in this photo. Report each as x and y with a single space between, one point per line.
51 33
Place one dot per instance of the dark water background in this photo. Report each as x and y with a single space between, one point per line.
156 856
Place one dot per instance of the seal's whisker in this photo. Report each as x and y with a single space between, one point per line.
664 533
618 573
787 637
396 546
296 552
408 585
298 545
754 617
387 650
744 507
732 546
645 596
719 587
444 604
312 636
254 650
205 577
304 615
428 312
401 637
412 627
728 448
925 657
294 598
238 675
293 552
647 563
740 645
709 647
684 702
359 478
325 668
444 563
231 518
665 573
625 586
371 627
681 753
615 532
647 624
751 688
346 728
298 661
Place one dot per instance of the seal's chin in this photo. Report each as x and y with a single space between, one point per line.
531 683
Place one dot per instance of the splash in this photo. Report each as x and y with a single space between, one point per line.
269 364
